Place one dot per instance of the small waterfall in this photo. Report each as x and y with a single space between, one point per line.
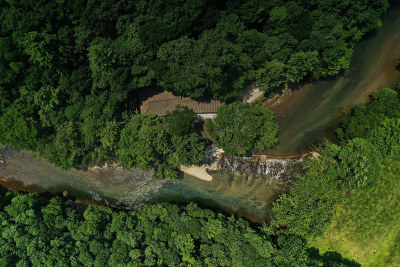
283 169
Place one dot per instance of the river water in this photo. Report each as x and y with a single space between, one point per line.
309 113
305 116
245 195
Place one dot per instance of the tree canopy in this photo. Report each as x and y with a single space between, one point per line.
54 231
72 71
240 128
384 103
367 137
162 142
360 164
308 208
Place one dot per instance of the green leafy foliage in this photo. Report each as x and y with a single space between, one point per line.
136 143
307 209
66 149
293 251
364 217
17 130
180 120
212 65
162 142
360 164
337 203
101 60
37 47
272 74
386 137
57 232
240 128
79 63
384 104
188 150
300 64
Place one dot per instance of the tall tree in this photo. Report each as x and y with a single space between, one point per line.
240 128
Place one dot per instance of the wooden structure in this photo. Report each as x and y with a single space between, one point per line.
159 102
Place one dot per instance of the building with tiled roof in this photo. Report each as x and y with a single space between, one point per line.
159 102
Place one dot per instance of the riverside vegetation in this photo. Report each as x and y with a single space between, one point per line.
69 74
241 129
70 71
54 232
336 207
347 200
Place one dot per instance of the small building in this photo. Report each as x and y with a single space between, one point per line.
159 102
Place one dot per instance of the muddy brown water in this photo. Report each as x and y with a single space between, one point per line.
305 116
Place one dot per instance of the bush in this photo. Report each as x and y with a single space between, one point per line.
384 104
17 130
386 137
360 164
161 142
240 129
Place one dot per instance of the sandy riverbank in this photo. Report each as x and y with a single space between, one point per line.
199 172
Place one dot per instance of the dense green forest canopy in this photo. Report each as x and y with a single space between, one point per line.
370 135
36 230
70 70
241 128
165 141
53 231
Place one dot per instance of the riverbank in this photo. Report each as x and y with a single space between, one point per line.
200 172
242 195
307 114
304 115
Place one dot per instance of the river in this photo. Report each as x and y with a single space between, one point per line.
308 114
305 115
250 196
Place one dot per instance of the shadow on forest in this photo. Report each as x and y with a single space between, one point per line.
331 258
